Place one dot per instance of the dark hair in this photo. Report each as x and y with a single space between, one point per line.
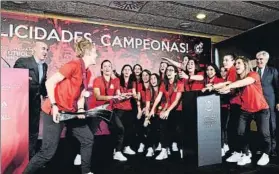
137 65
197 65
149 73
160 73
176 78
216 69
116 73
122 80
134 67
103 64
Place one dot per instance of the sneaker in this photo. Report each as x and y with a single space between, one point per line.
119 156
264 160
150 152
90 173
174 147
77 160
159 148
245 159
235 157
163 154
226 148
141 148
223 153
250 153
129 151
169 152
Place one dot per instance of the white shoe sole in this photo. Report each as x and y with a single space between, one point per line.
262 164
245 163
119 159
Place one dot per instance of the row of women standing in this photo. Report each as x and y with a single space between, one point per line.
150 109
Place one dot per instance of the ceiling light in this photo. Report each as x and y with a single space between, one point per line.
185 24
201 16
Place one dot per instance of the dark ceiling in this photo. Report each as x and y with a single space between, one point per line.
224 19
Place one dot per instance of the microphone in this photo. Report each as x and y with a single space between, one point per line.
6 62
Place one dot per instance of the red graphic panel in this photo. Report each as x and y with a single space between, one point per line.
14 120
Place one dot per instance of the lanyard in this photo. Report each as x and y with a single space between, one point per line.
170 92
190 84
106 86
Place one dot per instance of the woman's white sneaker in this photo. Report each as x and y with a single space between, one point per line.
119 156
150 152
77 160
163 154
245 159
159 148
264 160
141 148
235 157
223 153
174 147
226 148
129 151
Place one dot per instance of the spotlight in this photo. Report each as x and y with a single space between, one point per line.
201 16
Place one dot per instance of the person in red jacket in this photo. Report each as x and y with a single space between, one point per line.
66 93
105 88
144 92
171 116
124 111
137 70
193 79
152 122
253 106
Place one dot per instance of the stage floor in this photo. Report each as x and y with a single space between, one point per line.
139 164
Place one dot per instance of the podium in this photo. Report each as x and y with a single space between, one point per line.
201 113
14 120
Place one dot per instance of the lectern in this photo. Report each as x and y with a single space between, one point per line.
201 113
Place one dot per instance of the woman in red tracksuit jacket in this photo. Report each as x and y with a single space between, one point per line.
152 122
171 114
253 106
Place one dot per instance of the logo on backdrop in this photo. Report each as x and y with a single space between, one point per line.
198 48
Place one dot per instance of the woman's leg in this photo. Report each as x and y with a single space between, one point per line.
51 137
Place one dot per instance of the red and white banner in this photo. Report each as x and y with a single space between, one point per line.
14 120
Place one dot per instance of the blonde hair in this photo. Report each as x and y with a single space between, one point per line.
247 65
82 45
